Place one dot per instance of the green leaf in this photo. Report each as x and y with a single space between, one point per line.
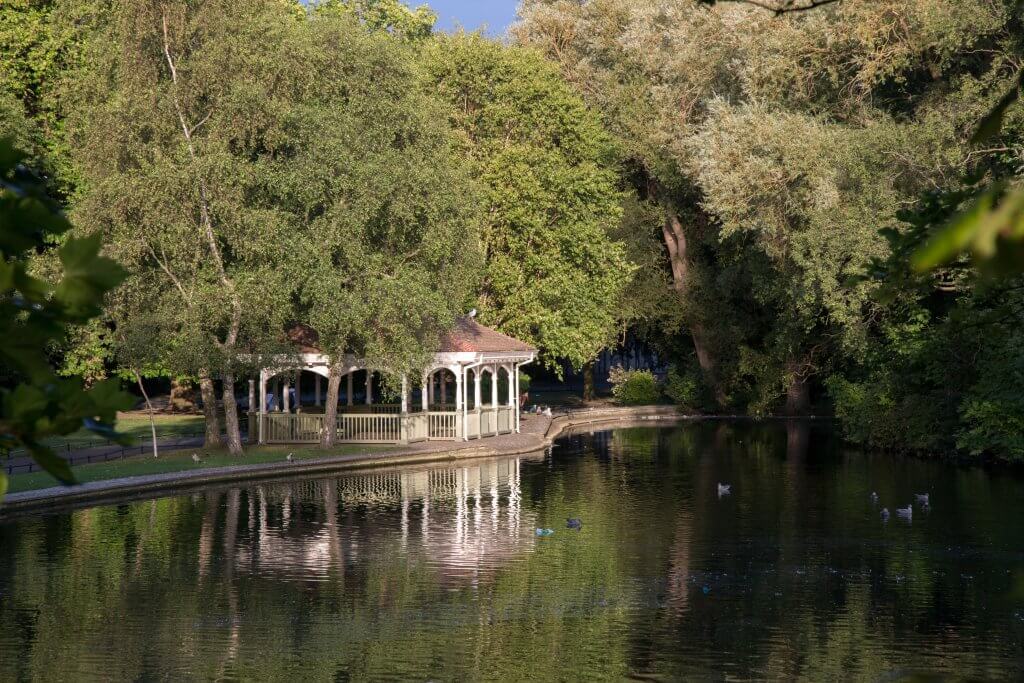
3 485
49 461
955 237
992 124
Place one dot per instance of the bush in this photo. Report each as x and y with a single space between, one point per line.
634 387
684 390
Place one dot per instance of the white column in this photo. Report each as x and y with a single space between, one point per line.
263 401
494 386
513 400
252 398
515 381
426 392
405 394
348 393
316 381
476 388
286 403
460 403
369 387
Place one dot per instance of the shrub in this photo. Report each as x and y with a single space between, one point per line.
684 389
634 387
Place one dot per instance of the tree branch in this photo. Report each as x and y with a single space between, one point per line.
783 7
204 202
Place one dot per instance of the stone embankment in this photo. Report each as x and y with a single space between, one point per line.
537 433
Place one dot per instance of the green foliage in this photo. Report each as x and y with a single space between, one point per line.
685 389
390 16
554 276
634 387
777 147
35 403
991 227
390 253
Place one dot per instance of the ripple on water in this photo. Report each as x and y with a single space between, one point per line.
437 573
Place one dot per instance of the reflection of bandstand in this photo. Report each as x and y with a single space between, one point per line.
470 357
466 518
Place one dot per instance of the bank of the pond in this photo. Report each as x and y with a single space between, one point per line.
118 479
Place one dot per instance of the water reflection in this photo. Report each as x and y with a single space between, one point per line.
436 573
467 519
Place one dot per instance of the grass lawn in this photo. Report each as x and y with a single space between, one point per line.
179 461
135 425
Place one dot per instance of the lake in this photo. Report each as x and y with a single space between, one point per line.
438 573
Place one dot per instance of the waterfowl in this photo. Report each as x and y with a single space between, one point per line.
574 524
906 513
885 514
922 498
724 489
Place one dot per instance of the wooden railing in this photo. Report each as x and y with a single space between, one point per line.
375 409
388 428
444 426
417 427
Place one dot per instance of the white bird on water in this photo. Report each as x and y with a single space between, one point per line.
906 513
724 490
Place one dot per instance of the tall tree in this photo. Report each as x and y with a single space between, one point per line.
554 274
390 252
179 128
756 251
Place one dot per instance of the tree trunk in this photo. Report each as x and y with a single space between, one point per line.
330 433
149 409
589 394
209 394
679 258
183 397
798 393
234 432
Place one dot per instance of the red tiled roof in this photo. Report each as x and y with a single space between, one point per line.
470 336
305 337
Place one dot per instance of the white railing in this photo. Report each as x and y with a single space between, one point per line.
506 419
443 426
417 427
375 409
283 428
388 428
369 429
473 425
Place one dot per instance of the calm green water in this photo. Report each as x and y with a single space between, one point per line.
438 574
